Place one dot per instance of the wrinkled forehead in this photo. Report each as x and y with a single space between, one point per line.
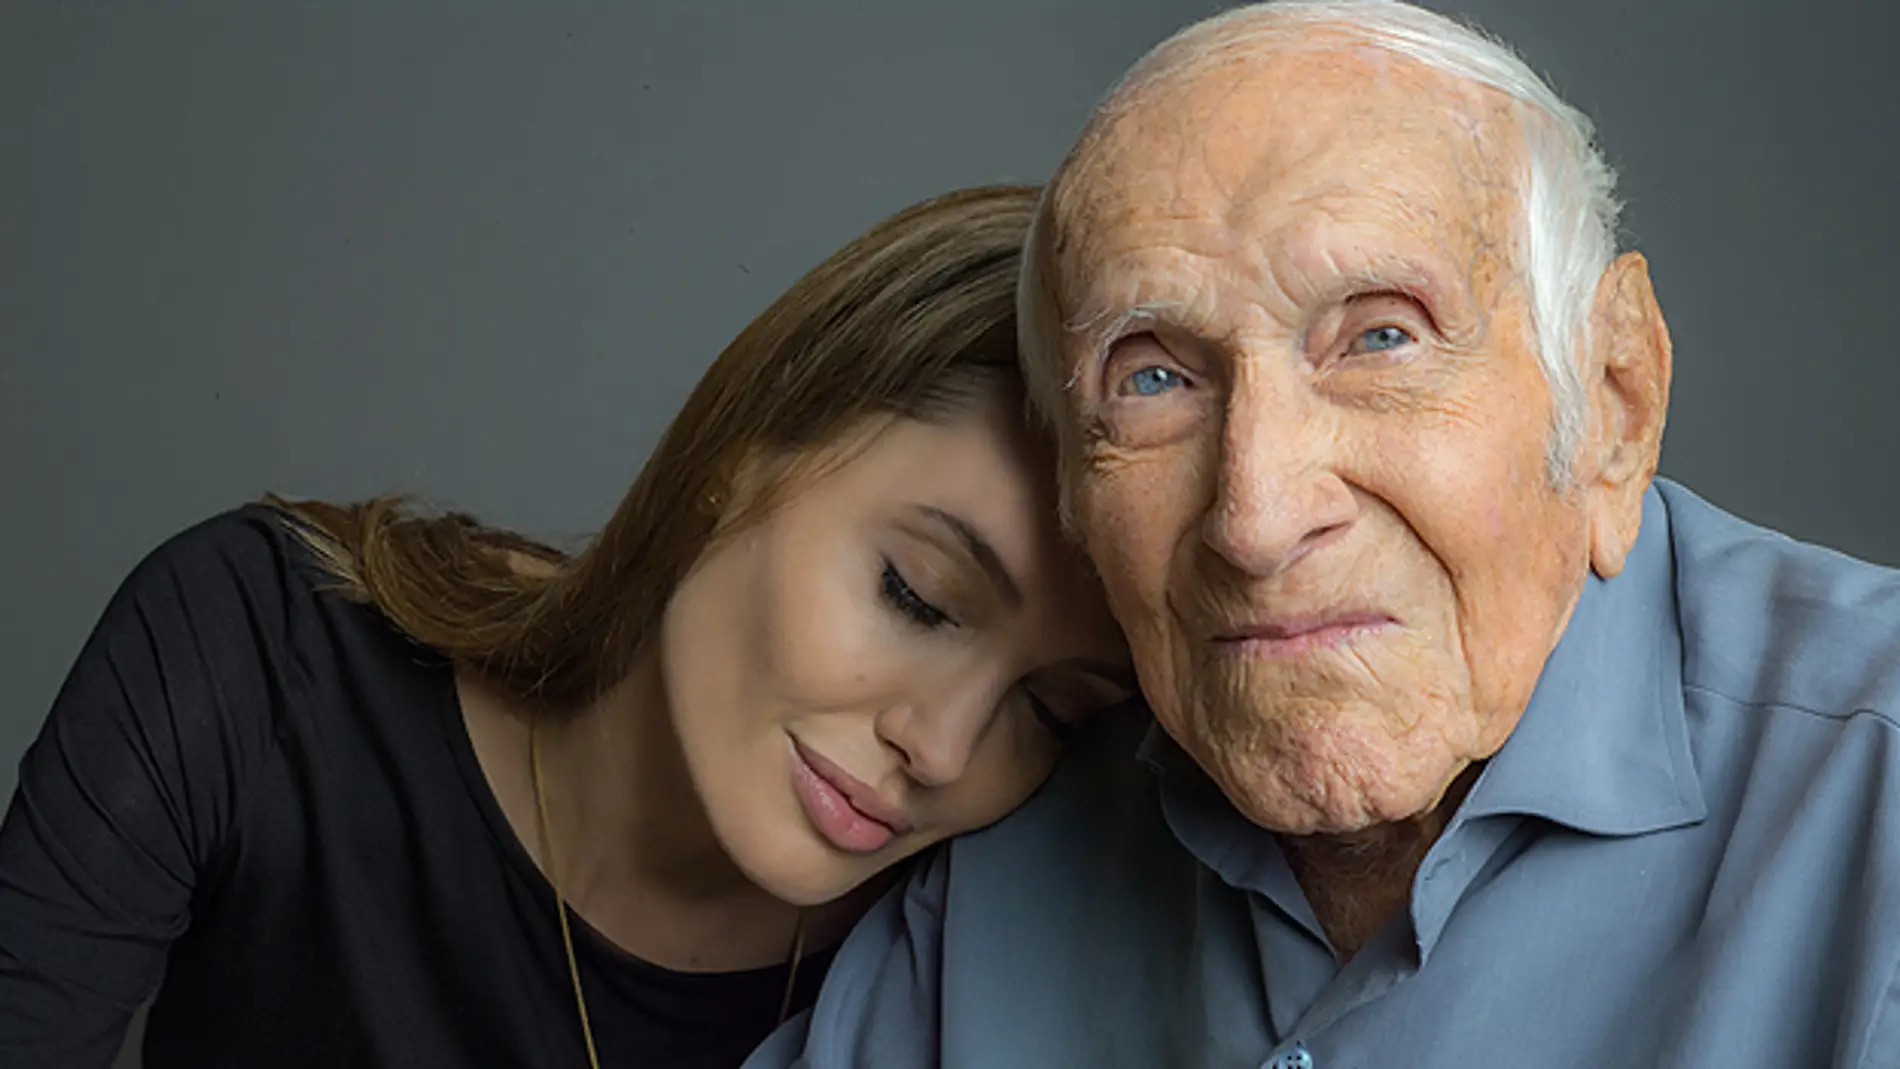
1286 162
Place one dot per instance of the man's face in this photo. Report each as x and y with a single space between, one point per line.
1312 470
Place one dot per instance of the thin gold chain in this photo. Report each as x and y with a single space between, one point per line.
567 935
791 973
554 878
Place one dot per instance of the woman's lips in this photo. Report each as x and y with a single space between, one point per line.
844 809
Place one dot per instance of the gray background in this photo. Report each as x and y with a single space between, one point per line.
483 252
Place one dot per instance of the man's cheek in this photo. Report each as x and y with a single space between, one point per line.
1125 546
1144 498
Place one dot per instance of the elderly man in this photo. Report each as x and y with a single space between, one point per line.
1470 747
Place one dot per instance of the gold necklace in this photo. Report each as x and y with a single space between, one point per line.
560 908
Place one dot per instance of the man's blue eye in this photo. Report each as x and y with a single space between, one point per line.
1381 339
1150 381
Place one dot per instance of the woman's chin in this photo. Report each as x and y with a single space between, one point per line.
799 868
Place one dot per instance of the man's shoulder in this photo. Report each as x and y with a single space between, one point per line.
1102 791
1771 621
1098 826
1081 896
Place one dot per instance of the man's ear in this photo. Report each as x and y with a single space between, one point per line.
1627 387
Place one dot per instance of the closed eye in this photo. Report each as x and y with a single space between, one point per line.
900 596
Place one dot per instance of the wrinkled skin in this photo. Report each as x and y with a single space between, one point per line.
1307 431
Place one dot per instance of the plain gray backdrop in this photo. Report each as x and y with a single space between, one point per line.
482 251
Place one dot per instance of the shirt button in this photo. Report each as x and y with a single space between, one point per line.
1297 1058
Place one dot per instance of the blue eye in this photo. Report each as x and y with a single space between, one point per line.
1151 380
1382 339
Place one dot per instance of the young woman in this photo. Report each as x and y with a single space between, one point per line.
354 786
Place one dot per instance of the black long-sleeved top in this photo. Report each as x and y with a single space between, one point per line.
257 799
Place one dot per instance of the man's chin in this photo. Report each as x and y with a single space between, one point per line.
1327 764
1309 822
1325 806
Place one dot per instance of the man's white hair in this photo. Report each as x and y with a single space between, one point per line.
1568 234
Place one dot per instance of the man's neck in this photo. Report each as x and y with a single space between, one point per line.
1356 883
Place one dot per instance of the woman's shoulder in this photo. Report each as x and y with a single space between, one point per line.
235 565
230 640
252 543
241 592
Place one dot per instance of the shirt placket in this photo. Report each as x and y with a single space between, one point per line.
1303 1011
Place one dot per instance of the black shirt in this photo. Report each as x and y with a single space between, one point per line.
263 794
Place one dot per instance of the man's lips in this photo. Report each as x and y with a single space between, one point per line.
861 795
1288 636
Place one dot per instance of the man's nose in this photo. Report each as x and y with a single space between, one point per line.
1276 496
935 735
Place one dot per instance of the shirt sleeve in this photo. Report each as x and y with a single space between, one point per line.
127 797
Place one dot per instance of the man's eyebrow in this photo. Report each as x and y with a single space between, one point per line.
1100 329
1105 326
1375 274
1327 267
980 549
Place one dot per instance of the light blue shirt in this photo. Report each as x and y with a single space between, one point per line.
1687 855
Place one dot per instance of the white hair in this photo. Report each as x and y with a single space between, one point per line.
1568 233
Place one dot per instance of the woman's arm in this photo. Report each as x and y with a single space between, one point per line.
125 798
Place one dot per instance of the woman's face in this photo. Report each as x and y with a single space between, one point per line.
887 657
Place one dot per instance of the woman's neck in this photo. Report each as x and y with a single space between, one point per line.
618 785
637 855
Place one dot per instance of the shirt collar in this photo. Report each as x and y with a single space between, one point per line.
1603 746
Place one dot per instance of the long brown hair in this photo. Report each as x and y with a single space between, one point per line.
909 320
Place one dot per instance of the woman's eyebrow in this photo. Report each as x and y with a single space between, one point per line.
979 549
